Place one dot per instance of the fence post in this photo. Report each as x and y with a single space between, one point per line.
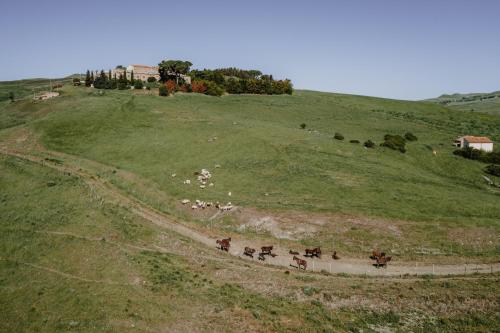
330 268
313 264
432 269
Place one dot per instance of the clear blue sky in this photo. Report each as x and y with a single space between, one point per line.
399 49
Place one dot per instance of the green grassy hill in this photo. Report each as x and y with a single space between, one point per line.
72 260
269 163
479 102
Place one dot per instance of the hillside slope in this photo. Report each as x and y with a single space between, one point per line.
78 253
479 102
333 192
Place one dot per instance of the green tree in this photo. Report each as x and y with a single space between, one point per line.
173 69
88 79
132 77
11 96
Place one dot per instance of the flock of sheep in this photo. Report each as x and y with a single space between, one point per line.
203 178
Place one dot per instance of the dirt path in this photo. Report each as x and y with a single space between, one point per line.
283 259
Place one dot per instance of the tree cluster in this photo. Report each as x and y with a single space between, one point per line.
478 155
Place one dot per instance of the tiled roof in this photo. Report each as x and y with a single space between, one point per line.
477 139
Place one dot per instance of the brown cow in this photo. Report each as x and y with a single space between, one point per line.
382 261
249 252
377 254
295 253
316 252
266 250
300 262
335 256
224 244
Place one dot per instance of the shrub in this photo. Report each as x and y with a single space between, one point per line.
354 141
493 169
185 88
479 155
198 86
303 126
213 89
11 96
151 79
338 136
163 91
410 136
138 84
369 144
396 142
171 86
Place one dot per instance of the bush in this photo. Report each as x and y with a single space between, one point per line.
213 89
410 136
303 126
338 136
151 79
354 141
493 169
11 96
478 155
369 144
396 142
138 84
163 91
198 86
171 86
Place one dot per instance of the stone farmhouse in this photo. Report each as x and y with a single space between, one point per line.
476 142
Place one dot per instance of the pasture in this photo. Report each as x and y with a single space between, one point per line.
416 203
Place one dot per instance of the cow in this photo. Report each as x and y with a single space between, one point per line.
300 263
249 252
316 252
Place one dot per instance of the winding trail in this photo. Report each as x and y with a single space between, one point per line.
113 194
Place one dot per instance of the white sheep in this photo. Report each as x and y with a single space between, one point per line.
185 201
187 181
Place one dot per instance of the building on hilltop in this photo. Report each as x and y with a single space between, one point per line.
475 142
143 72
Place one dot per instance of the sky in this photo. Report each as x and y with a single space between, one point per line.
404 49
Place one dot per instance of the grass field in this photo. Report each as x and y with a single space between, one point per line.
72 260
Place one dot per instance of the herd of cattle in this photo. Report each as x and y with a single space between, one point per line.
379 257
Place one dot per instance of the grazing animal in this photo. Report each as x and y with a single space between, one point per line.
295 253
300 262
377 254
266 250
249 252
224 244
335 256
382 261
316 252
261 256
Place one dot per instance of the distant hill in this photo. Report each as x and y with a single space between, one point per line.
477 102
25 88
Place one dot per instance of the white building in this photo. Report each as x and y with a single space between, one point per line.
476 142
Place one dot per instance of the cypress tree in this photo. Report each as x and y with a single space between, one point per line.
132 77
92 76
87 79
